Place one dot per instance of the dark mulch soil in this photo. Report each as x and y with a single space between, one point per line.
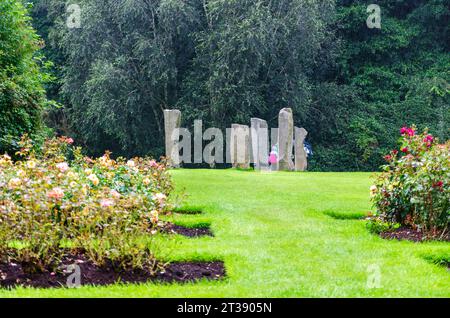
12 275
409 234
187 231
185 272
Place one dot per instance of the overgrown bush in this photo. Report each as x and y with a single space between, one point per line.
59 197
414 187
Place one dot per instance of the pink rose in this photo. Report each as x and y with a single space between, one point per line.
56 193
115 194
153 164
404 130
429 138
407 131
63 166
106 203
160 197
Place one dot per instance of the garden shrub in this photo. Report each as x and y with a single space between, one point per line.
414 187
101 206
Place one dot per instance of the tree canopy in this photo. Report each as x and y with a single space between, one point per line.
223 61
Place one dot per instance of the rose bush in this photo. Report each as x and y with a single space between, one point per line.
414 187
58 198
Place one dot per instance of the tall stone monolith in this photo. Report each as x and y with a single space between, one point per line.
172 122
260 143
285 139
301 157
240 146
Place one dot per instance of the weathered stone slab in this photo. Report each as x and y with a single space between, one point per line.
172 122
240 146
301 157
213 152
285 139
260 143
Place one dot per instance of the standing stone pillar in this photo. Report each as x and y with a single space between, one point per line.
301 157
172 122
260 143
285 139
240 146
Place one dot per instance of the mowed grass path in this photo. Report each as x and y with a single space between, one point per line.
276 239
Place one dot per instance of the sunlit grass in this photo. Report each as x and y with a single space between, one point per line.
274 234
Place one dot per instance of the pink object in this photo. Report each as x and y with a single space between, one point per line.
56 193
273 155
106 203
273 158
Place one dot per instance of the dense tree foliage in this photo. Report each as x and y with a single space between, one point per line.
22 96
226 61
389 77
254 58
222 61
122 68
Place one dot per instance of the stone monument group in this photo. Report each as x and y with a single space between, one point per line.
245 145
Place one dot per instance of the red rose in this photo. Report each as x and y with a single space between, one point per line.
404 130
438 184
388 157
405 150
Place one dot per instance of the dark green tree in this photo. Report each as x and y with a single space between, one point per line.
398 76
254 58
223 61
22 95
122 67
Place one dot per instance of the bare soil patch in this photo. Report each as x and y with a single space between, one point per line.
12 275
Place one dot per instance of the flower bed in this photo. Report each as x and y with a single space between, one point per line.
413 190
57 199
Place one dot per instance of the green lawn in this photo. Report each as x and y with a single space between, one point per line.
286 235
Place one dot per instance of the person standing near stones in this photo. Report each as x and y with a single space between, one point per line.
273 156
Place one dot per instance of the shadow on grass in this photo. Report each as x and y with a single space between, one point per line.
189 210
439 259
346 215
